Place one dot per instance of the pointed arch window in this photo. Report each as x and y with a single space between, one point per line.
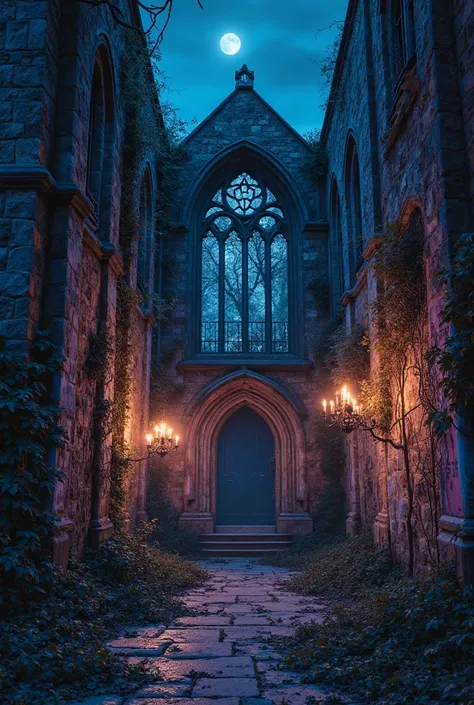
244 271
354 205
145 244
337 249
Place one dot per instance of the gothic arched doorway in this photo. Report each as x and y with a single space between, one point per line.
245 492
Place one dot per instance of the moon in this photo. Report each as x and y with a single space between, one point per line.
230 44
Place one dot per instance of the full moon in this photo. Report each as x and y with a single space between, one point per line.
230 44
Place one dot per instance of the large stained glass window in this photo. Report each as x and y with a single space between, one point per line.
244 271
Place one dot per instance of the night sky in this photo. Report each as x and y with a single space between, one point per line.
279 42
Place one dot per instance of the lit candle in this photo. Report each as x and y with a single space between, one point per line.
170 433
149 439
157 430
337 398
163 430
324 405
331 404
177 441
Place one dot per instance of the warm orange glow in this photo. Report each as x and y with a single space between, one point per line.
324 405
149 439
157 430
177 441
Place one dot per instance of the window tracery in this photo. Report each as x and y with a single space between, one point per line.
244 271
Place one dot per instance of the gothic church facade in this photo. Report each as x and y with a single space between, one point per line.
253 242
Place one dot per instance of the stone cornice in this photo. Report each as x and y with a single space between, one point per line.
314 227
351 294
114 259
236 364
35 177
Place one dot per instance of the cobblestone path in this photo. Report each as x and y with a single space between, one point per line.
221 656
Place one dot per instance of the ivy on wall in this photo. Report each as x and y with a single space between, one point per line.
455 359
29 431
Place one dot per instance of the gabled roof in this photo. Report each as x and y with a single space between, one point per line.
227 100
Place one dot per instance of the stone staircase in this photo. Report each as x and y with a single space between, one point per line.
243 542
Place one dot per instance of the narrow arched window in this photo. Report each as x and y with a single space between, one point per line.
244 271
337 250
354 205
145 243
101 135
403 36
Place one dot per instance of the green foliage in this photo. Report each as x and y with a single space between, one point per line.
29 432
55 650
166 532
348 357
315 165
397 642
455 359
343 567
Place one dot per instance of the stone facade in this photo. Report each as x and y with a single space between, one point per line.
413 136
398 135
244 134
60 233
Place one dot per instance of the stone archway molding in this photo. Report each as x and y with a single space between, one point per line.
283 412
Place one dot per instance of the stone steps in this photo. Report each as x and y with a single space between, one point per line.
237 545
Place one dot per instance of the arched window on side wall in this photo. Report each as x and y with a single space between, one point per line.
354 205
337 248
403 36
101 133
145 244
244 271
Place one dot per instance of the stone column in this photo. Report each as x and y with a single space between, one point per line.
353 521
101 527
382 520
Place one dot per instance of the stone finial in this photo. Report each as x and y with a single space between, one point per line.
244 78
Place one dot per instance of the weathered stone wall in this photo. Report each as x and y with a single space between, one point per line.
228 136
59 263
413 148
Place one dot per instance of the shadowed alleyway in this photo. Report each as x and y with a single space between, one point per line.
222 654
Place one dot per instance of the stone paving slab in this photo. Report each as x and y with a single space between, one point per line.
199 650
185 701
225 687
101 700
233 667
223 653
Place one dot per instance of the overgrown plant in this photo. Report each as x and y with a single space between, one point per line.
455 358
315 164
29 433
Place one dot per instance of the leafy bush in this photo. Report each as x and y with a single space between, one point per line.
390 640
343 568
55 649
29 430
165 518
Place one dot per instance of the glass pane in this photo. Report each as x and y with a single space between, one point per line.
233 294
276 210
210 294
244 195
279 250
218 196
213 210
256 293
267 222
223 223
270 197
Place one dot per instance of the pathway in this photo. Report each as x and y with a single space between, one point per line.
221 656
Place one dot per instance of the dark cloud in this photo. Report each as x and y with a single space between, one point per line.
280 42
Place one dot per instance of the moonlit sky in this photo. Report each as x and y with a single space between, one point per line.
280 42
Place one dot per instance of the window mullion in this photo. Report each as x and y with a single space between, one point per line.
221 326
268 296
245 295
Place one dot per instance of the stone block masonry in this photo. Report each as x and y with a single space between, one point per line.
59 240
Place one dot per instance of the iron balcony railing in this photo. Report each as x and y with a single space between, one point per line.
233 337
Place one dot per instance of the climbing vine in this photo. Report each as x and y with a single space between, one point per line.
455 359
29 432
152 130
399 392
